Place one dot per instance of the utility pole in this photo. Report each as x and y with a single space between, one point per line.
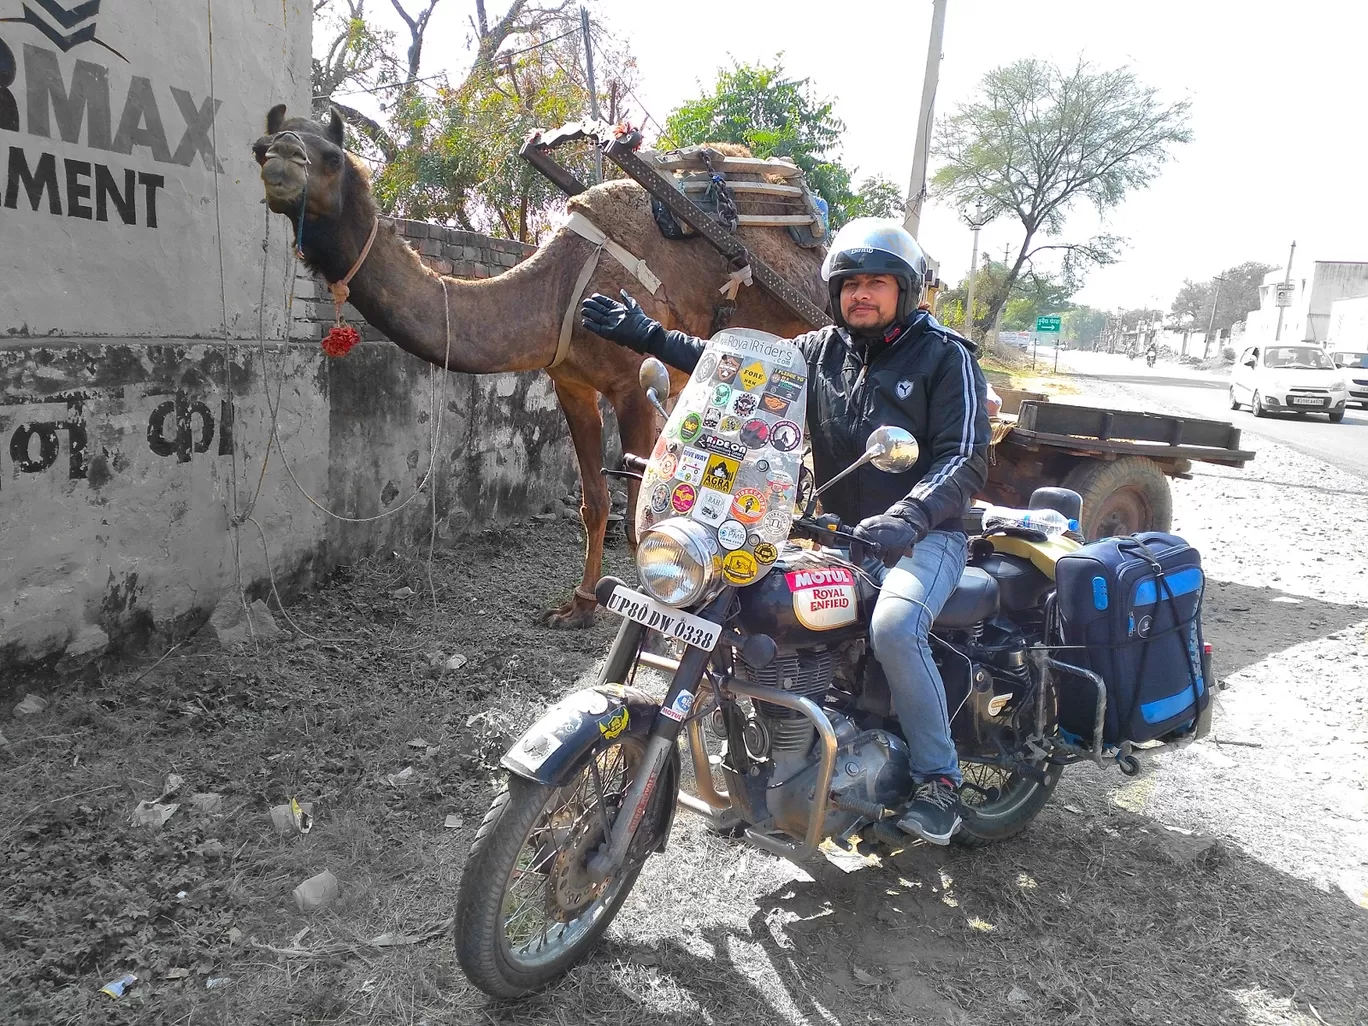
593 90
976 222
1287 280
997 321
916 188
1211 321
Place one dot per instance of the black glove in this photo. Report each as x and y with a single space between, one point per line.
623 323
895 532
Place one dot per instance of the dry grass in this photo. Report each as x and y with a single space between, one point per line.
1088 918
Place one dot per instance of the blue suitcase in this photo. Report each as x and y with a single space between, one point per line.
1130 610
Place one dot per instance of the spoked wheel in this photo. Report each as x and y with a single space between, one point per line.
999 801
527 908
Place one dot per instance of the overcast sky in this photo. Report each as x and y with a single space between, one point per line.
1277 89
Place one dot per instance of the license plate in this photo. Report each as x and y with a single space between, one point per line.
685 627
1298 400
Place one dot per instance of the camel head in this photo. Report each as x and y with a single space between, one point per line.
304 163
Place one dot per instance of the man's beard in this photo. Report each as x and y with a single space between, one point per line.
872 332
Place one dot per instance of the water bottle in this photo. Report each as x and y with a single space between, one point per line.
1049 522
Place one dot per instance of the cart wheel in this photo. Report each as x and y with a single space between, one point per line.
1130 765
1122 497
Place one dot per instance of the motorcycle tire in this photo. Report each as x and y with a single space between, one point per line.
1009 814
492 960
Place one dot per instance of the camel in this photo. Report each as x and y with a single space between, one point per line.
512 322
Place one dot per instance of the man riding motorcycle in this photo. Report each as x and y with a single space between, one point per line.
885 361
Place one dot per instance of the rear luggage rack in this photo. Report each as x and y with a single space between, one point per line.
620 146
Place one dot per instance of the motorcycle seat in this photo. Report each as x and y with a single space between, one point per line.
976 598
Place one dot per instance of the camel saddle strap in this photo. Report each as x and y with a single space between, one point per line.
581 225
586 229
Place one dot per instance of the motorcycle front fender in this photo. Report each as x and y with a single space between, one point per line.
552 749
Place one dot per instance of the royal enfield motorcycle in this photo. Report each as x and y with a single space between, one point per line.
772 685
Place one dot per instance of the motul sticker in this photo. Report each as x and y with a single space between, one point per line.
823 598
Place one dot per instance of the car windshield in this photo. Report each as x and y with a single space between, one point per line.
1296 358
1350 360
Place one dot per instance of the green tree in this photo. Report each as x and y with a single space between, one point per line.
1235 292
447 151
879 196
1082 326
773 115
1037 139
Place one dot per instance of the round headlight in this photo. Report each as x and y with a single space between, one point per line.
674 561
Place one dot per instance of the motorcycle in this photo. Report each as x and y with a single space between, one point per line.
1150 358
767 618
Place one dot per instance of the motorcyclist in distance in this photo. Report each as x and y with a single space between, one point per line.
883 362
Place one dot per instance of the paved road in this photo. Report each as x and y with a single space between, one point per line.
1343 445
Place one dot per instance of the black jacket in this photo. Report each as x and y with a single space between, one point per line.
925 380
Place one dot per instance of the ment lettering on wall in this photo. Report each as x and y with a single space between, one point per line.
79 108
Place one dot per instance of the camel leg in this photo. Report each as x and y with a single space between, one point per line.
580 405
637 428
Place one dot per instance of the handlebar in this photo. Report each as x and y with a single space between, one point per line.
634 464
827 529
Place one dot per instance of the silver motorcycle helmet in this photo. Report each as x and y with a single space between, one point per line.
873 245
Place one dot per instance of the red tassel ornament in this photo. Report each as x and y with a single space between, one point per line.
340 340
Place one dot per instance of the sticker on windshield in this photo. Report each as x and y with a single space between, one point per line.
711 507
731 535
727 367
786 436
721 473
752 376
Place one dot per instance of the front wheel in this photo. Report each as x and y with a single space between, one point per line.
527 908
1336 416
1256 405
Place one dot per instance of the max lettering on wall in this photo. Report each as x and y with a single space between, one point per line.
124 123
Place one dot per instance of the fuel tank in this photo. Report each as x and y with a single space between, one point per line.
810 598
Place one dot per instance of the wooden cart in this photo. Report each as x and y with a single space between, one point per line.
1118 461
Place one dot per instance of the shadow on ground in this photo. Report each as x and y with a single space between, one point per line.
1246 625
1085 919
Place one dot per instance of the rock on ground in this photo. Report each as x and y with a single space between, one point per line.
229 623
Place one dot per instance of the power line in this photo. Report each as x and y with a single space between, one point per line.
619 78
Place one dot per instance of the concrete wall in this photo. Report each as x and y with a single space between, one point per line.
1349 323
138 364
1308 318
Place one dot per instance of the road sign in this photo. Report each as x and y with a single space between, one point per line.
1284 294
1047 324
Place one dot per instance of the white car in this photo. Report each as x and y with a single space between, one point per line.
1355 365
1294 378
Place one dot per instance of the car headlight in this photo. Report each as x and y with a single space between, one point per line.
1339 385
674 561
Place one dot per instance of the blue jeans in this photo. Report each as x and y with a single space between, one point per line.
914 592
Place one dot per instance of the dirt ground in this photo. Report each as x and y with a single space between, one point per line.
1249 912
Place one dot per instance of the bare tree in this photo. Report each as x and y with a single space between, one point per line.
1037 139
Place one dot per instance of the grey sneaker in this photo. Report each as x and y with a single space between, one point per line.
933 814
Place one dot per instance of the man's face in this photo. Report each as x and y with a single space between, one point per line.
869 302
